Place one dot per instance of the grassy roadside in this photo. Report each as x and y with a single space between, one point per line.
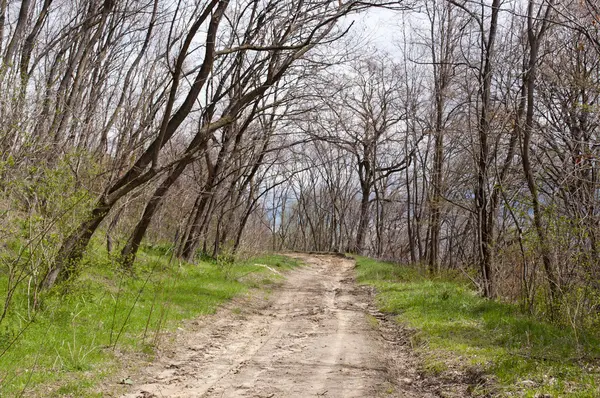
454 326
77 337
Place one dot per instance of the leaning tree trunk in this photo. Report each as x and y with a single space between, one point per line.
70 253
189 243
129 251
75 244
247 212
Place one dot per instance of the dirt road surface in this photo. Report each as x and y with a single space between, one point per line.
314 337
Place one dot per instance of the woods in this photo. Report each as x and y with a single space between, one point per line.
467 143
488 135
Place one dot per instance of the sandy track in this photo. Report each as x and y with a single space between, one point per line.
313 338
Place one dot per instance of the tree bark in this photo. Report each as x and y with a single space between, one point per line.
534 40
75 244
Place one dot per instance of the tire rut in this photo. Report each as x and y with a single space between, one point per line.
313 339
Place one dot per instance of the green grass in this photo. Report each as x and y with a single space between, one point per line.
276 261
455 326
76 337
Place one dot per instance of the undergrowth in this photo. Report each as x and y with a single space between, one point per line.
79 331
524 356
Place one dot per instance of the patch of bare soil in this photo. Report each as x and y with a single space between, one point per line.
316 336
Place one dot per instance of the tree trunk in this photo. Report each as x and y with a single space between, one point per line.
75 244
72 250
191 241
534 40
129 251
485 213
363 222
441 76
434 220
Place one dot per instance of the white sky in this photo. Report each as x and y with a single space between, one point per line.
383 29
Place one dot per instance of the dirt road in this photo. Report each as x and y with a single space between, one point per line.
314 338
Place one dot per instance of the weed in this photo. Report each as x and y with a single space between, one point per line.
459 326
61 349
372 321
434 367
236 310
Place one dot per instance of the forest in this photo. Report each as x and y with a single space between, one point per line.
465 142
